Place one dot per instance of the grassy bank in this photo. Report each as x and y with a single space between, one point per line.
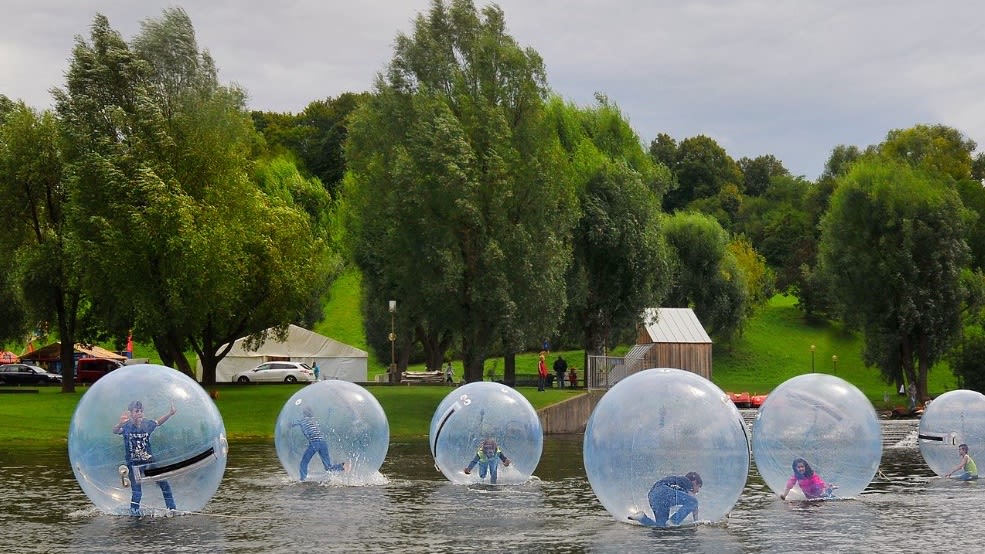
774 347
248 412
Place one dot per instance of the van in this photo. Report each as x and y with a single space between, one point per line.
88 370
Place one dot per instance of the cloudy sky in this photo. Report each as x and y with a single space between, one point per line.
788 78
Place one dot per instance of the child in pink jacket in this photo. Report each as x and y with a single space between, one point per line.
810 483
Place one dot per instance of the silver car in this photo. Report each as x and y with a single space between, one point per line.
277 372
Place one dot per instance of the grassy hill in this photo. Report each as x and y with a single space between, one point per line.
775 346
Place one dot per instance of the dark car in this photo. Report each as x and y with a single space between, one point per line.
24 374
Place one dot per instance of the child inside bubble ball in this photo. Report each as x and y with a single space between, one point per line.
967 467
136 433
674 490
810 483
488 458
316 444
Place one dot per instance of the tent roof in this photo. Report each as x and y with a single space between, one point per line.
675 325
53 352
300 343
8 357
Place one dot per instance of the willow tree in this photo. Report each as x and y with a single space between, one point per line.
619 264
460 208
180 242
41 280
892 248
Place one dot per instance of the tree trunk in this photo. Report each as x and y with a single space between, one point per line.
509 369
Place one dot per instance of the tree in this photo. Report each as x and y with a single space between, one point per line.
701 169
316 136
460 210
706 276
620 265
160 178
936 148
43 278
757 173
892 248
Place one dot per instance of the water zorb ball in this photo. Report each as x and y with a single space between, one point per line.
332 431
953 418
825 421
663 422
492 414
145 439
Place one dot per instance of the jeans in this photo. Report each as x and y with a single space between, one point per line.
492 465
321 447
965 476
540 382
137 492
662 498
560 380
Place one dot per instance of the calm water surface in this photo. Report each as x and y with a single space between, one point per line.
256 509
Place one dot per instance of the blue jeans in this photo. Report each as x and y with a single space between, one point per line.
662 498
540 382
321 447
492 466
965 476
137 492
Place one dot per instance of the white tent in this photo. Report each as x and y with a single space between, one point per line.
335 359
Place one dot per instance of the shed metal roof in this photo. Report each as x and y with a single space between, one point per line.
678 325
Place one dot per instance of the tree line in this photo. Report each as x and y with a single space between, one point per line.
494 212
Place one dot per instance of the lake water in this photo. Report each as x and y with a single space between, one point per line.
256 509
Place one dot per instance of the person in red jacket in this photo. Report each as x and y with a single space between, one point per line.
541 372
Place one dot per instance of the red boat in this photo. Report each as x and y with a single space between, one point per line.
740 399
756 400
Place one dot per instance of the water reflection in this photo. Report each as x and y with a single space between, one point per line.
257 509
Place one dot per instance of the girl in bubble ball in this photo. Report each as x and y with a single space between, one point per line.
488 458
810 483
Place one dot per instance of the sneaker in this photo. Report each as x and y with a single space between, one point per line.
346 467
637 516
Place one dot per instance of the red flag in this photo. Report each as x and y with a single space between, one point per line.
130 342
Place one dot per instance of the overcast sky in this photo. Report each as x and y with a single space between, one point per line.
788 78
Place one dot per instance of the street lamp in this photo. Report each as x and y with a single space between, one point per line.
393 341
834 363
813 348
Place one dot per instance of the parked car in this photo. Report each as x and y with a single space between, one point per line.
277 372
26 374
88 370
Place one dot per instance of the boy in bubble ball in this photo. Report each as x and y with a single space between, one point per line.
136 432
811 484
967 467
488 458
668 492
316 444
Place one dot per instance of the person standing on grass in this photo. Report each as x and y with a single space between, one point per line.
541 372
560 368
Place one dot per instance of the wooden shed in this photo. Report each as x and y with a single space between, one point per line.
672 337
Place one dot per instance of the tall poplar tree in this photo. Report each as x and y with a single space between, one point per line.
461 210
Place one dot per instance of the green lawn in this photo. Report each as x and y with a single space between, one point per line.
774 347
248 412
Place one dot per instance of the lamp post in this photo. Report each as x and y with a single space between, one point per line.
393 341
813 348
834 363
